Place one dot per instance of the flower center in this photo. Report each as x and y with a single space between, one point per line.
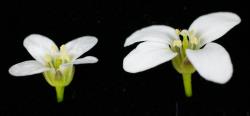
57 58
187 41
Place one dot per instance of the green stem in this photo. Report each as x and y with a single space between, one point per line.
59 93
187 84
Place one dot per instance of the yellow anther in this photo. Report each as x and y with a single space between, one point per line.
184 32
62 49
177 43
57 62
191 33
194 40
49 60
177 31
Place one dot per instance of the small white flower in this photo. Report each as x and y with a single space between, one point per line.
193 51
56 65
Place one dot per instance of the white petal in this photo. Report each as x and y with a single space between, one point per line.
147 55
214 25
155 33
25 68
79 46
39 46
212 62
86 60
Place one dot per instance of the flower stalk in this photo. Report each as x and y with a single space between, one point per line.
59 93
181 62
187 81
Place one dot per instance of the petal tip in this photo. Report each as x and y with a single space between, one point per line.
156 33
12 71
95 60
128 68
27 68
233 16
92 38
226 78
31 36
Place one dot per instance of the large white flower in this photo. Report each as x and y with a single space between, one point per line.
56 65
189 50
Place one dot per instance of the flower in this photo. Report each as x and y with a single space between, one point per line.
56 65
189 50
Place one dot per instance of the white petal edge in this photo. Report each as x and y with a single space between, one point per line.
86 60
26 68
212 62
147 55
214 25
38 46
154 33
79 46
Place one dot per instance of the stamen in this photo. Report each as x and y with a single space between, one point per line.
194 40
188 40
184 33
64 54
191 33
177 31
177 43
63 49
48 59
57 62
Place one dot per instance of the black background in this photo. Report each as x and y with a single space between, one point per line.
105 88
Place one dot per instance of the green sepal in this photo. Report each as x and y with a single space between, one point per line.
182 65
60 79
